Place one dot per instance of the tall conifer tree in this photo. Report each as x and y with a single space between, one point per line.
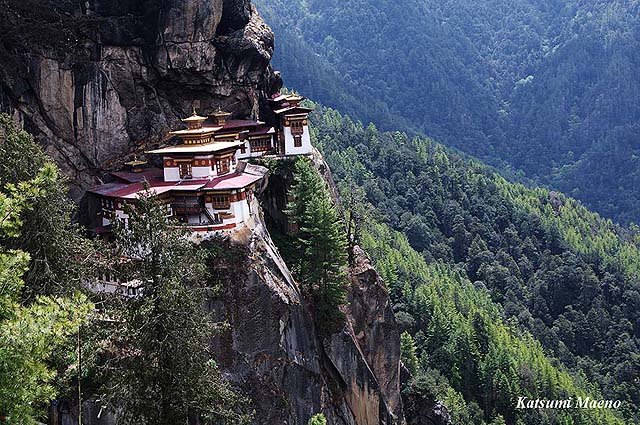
162 371
321 240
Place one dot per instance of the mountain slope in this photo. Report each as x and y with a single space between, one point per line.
553 269
541 87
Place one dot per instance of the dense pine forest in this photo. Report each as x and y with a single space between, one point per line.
543 89
500 290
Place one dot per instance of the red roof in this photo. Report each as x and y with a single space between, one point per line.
232 181
132 190
107 189
262 131
290 109
237 124
148 174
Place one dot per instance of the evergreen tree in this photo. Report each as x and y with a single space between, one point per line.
307 184
322 241
325 251
408 352
60 257
161 370
29 334
354 213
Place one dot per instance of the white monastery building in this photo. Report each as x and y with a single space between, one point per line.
205 180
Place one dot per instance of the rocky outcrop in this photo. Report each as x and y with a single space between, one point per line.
351 375
372 325
110 78
273 352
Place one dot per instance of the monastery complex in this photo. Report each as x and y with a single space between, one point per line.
206 180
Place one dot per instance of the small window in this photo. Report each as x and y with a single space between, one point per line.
185 170
261 145
297 128
223 165
297 141
220 202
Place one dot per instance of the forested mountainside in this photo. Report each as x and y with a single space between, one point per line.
542 87
502 290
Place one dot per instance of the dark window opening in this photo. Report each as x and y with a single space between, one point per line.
260 145
185 170
220 202
223 165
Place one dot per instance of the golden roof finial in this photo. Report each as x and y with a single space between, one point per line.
221 116
136 163
195 121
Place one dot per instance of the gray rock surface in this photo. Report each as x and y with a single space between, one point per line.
98 82
272 350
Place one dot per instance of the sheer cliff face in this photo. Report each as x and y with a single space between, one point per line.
274 351
120 74
274 354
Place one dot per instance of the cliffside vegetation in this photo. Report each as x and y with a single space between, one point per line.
40 310
316 245
157 367
147 354
503 291
545 89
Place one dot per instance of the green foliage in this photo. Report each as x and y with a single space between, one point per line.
318 419
159 368
498 420
540 264
321 240
462 334
548 89
307 185
29 334
59 254
408 352
583 230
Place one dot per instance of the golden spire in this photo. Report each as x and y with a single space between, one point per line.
221 116
195 121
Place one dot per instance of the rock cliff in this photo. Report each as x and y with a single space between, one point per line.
98 80
273 352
